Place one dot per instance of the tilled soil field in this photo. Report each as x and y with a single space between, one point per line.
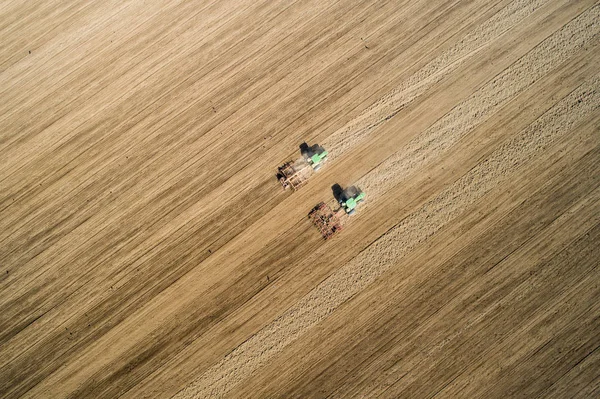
147 249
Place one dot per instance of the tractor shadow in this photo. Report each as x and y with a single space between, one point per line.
304 148
308 151
338 192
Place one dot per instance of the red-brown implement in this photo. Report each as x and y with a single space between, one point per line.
326 220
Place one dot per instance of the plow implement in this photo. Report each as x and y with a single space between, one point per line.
325 219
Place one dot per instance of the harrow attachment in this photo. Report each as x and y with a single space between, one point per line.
325 219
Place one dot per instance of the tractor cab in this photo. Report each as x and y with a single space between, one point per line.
314 155
350 199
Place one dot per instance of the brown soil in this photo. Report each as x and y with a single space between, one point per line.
147 249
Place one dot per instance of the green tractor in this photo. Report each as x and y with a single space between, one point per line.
350 198
296 173
314 155
328 221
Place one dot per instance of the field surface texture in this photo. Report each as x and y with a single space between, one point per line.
147 249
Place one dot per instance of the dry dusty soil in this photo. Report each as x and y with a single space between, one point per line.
148 251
